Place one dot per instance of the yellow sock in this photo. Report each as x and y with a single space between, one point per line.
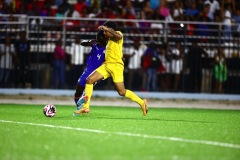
88 93
133 97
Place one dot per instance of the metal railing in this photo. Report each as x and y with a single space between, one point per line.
43 32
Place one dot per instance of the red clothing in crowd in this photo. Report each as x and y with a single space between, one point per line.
59 53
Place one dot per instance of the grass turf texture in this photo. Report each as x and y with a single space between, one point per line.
117 133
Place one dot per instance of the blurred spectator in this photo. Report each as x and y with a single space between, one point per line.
187 4
195 63
72 22
151 64
85 12
190 27
215 28
200 5
59 58
58 2
41 3
18 3
146 9
23 57
2 6
45 11
94 5
9 2
134 64
129 8
227 21
192 11
36 25
214 6
33 9
202 28
164 69
219 71
231 3
176 65
164 10
77 61
108 4
128 12
107 13
156 28
236 28
204 12
65 5
7 53
22 17
59 14
52 7
178 11
154 4
144 26
79 6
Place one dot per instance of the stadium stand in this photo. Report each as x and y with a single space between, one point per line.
163 26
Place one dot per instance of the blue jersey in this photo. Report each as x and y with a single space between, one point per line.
95 58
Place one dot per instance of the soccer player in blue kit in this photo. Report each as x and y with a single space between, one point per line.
95 58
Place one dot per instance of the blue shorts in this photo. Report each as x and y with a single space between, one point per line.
83 77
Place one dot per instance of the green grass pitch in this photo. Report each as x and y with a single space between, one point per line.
118 133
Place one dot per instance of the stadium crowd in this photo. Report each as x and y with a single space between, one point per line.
150 67
170 10
225 11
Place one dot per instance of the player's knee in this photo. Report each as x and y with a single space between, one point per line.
121 93
90 80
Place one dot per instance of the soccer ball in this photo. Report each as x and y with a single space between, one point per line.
49 110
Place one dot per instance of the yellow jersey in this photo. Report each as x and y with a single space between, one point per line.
113 52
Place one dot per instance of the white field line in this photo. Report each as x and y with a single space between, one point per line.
177 139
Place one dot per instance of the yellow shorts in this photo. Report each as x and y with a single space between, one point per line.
114 70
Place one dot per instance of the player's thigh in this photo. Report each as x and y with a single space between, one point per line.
116 71
103 71
94 77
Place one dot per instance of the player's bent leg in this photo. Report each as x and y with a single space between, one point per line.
142 102
88 94
82 100
120 88
94 77
132 96
81 109
78 93
79 90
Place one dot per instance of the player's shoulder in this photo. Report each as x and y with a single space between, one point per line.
119 32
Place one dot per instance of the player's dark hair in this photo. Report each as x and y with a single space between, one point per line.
111 24
101 37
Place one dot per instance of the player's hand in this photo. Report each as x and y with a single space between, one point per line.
93 41
102 28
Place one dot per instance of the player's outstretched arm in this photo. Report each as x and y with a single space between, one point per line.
88 42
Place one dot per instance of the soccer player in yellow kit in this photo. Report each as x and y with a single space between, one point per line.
112 67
